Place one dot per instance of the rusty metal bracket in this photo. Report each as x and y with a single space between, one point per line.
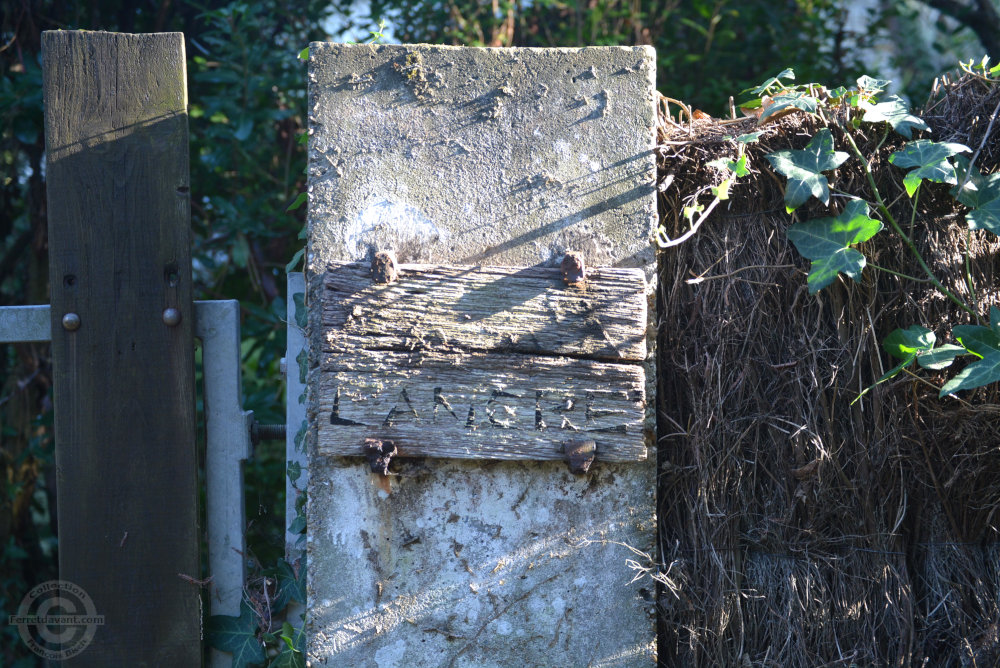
384 267
574 269
379 454
580 454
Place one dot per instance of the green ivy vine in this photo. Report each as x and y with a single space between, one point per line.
831 242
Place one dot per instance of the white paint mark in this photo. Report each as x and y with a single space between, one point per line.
391 224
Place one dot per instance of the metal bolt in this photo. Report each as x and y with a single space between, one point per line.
379 453
574 269
71 322
384 267
171 317
580 454
266 432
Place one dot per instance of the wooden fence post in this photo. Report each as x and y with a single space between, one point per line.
122 340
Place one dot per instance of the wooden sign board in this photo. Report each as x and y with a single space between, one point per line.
483 362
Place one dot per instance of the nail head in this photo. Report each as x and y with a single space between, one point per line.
574 269
71 322
384 267
171 317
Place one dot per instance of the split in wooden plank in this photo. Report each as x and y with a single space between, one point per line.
479 406
523 310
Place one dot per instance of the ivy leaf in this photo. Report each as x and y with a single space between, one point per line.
294 638
788 102
979 192
300 199
931 161
804 169
291 585
827 241
294 262
977 374
976 189
236 635
894 111
750 137
691 211
870 85
289 659
737 167
981 341
940 357
908 343
291 655
722 190
986 217
300 435
916 342
786 73
301 312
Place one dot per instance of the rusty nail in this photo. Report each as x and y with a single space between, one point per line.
384 267
71 322
580 454
171 317
379 454
574 269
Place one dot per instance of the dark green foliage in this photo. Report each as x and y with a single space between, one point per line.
707 50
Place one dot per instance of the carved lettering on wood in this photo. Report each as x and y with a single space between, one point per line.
489 363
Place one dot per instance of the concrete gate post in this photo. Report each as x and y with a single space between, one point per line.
479 157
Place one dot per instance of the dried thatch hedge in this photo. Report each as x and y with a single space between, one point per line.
798 529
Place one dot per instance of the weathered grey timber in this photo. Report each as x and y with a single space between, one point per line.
483 363
116 140
528 310
505 157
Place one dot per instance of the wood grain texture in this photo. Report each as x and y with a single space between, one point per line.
482 362
528 310
120 253
480 406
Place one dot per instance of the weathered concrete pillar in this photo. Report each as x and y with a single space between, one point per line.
467 156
